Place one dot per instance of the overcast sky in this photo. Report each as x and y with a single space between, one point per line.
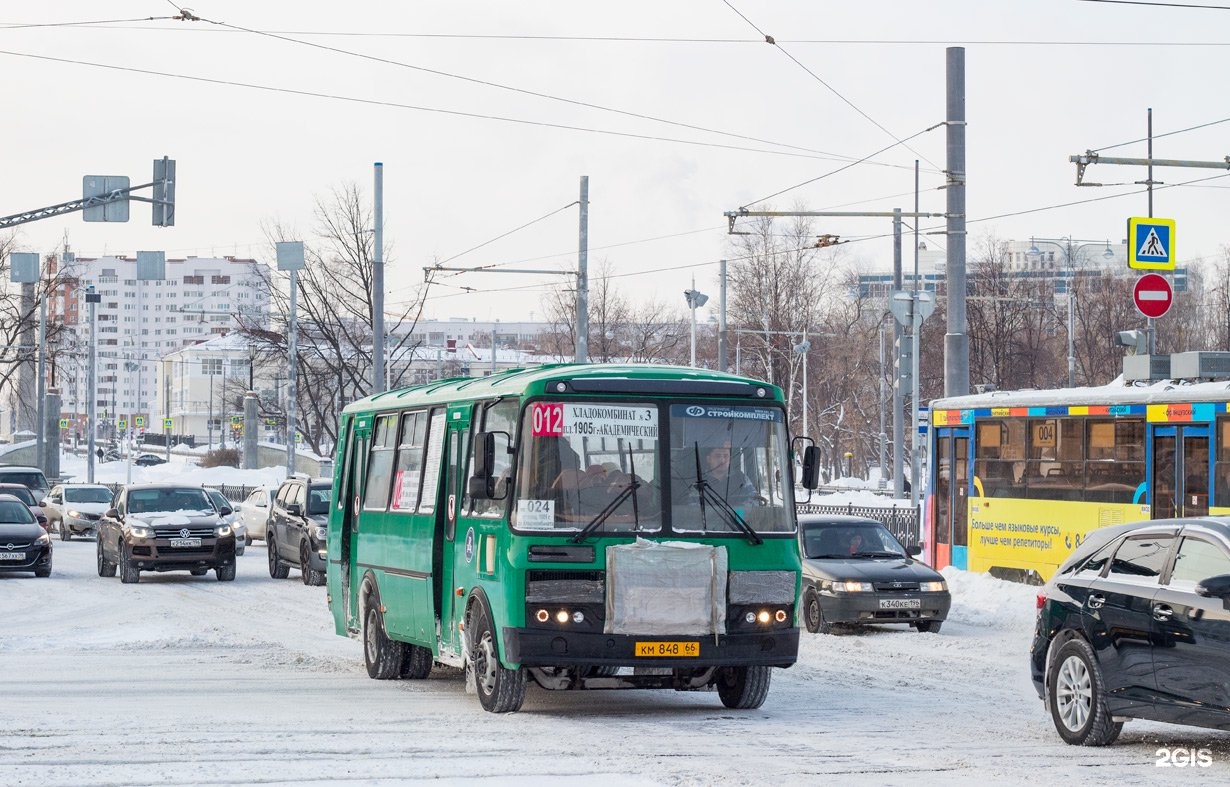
284 101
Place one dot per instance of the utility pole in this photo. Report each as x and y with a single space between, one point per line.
722 340
378 379
290 258
92 299
956 341
582 343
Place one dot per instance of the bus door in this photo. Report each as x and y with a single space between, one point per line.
444 551
1179 471
350 501
950 480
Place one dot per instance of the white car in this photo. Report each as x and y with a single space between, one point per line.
74 509
254 512
241 533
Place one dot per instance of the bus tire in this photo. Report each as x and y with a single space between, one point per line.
744 688
500 690
416 663
813 615
382 655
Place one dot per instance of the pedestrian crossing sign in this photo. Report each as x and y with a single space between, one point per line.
1151 244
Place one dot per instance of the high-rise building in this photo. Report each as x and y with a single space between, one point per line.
139 322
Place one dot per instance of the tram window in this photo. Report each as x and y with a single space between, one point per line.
1115 453
1221 466
1055 470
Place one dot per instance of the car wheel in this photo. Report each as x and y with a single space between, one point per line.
225 573
382 656
129 574
1075 696
310 576
744 688
105 567
277 569
813 615
43 572
932 626
247 539
66 534
416 664
500 690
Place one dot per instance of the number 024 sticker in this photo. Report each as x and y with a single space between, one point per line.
535 513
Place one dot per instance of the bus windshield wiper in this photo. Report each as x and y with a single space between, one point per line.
628 491
707 492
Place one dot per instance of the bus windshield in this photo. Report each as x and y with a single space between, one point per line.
601 464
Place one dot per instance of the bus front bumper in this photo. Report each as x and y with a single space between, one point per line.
541 648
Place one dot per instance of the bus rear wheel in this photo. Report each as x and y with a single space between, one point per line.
417 662
500 690
382 655
744 688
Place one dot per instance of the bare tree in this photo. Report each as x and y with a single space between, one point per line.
335 314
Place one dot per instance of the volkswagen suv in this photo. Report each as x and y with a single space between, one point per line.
164 527
1136 625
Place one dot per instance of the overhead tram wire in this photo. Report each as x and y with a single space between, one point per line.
1161 5
1160 136
511 88
844 168
506 234
107 23
435 110
770 40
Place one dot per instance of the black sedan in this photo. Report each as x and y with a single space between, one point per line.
149 460
855 572
24 544
1136 625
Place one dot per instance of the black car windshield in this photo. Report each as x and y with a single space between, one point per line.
318 500
832 541
88 494
30 480
21 493
12 512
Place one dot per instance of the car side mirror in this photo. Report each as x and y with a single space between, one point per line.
914 550
113 513
226 511
294 509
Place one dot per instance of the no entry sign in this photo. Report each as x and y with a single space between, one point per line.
1152 295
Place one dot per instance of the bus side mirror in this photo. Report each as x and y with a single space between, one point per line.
481 483
811 467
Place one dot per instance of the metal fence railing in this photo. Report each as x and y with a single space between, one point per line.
902 521
236 493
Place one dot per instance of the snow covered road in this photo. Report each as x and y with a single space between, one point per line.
185 680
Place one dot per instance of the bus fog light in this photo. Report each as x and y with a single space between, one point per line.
578 617
562 616
542 616
750 617
780 616
763 616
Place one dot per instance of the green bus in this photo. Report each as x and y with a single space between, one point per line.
581 526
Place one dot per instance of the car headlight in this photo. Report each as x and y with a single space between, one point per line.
933 587
74 514
322 534
142 531
851 586
45 538
222 530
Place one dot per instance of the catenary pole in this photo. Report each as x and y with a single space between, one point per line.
956 341
378 383
582 342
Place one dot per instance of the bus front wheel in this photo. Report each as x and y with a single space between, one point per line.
744 688
500 690
382 655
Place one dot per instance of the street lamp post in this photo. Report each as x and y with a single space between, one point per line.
694 300
801 348
1069 252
